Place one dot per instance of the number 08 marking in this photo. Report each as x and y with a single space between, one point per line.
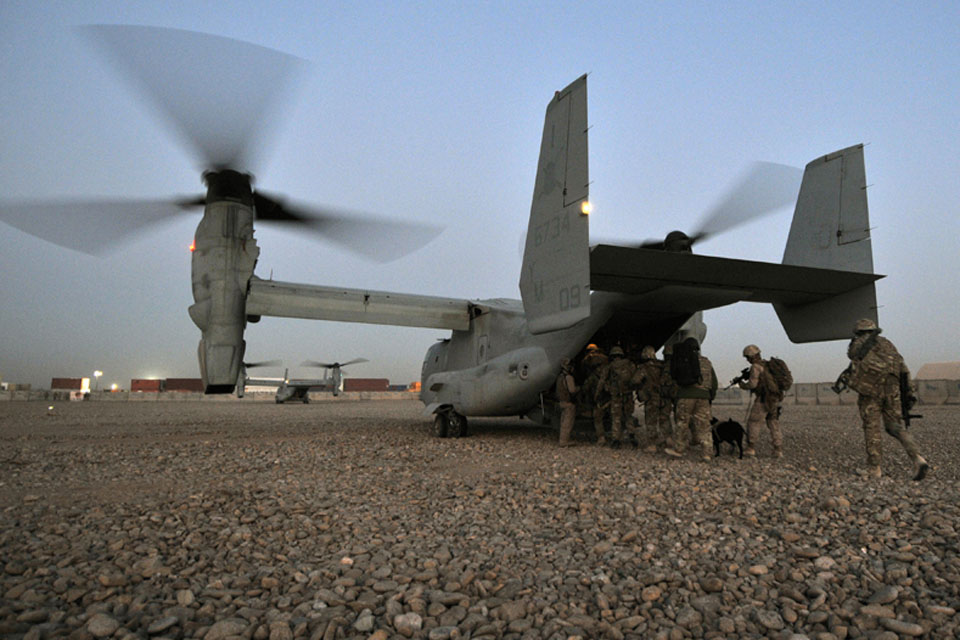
569 297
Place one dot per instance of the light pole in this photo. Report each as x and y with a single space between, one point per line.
96 375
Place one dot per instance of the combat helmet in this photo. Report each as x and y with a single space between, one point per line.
648 353
751 350
592 348
616 352
864 325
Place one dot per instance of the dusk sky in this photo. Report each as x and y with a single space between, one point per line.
432 112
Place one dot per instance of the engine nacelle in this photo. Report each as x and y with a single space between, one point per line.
224 256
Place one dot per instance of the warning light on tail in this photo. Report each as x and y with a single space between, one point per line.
193 246
586 207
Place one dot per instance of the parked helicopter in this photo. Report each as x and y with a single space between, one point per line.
297 388
502 355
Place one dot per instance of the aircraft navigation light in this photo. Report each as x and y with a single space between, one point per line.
586 207
193 246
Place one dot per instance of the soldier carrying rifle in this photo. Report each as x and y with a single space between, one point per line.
877 372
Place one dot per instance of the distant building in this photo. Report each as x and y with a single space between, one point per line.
939 371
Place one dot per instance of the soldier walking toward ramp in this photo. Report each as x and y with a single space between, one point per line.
697 387
767 397
647 383
615 379
879 375
593 363
668 396
566 389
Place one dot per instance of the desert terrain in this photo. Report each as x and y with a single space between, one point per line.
350 520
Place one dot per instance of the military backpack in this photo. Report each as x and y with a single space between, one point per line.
777 377
685 365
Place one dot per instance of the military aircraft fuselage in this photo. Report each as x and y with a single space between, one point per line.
498 367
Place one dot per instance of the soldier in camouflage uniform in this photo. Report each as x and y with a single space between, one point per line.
615 380
647 383
668 396
592 364
693 410
566 389
766 404
874 373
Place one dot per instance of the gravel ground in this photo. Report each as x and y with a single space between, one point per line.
349 520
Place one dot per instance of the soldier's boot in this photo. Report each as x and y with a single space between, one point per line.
673 453
650 448
920 468
598 427
750 452
777 452
873 471
706 452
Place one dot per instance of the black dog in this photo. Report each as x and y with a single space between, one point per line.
727 431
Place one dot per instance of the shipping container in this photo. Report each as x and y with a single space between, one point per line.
184 384
145 384
70 384
365 384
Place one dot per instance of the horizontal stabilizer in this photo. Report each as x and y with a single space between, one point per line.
677 282
292 300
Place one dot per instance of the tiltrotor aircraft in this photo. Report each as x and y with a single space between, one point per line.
502 355
297 388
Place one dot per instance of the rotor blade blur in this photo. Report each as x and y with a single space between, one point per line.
314 363
94 227
264 363
354 361
377 239
217 92
617 242
766 187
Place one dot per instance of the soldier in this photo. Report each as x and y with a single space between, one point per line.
875 372
566 389
668 396
592 363
615 380
696 390
647 383
765 406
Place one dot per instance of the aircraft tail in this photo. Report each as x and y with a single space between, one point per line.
831 230
555 280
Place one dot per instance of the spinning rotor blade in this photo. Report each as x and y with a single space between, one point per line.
354 361
89 226
264 363
765 188
217 92
377 239
319 365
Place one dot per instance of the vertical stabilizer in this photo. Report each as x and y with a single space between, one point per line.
831 230
555 280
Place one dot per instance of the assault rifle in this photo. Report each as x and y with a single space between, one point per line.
843 381
743 377
907 400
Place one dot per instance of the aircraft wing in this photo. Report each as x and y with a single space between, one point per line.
292 300
672 282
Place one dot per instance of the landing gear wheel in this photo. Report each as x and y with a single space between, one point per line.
306 400
441 425
458 425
